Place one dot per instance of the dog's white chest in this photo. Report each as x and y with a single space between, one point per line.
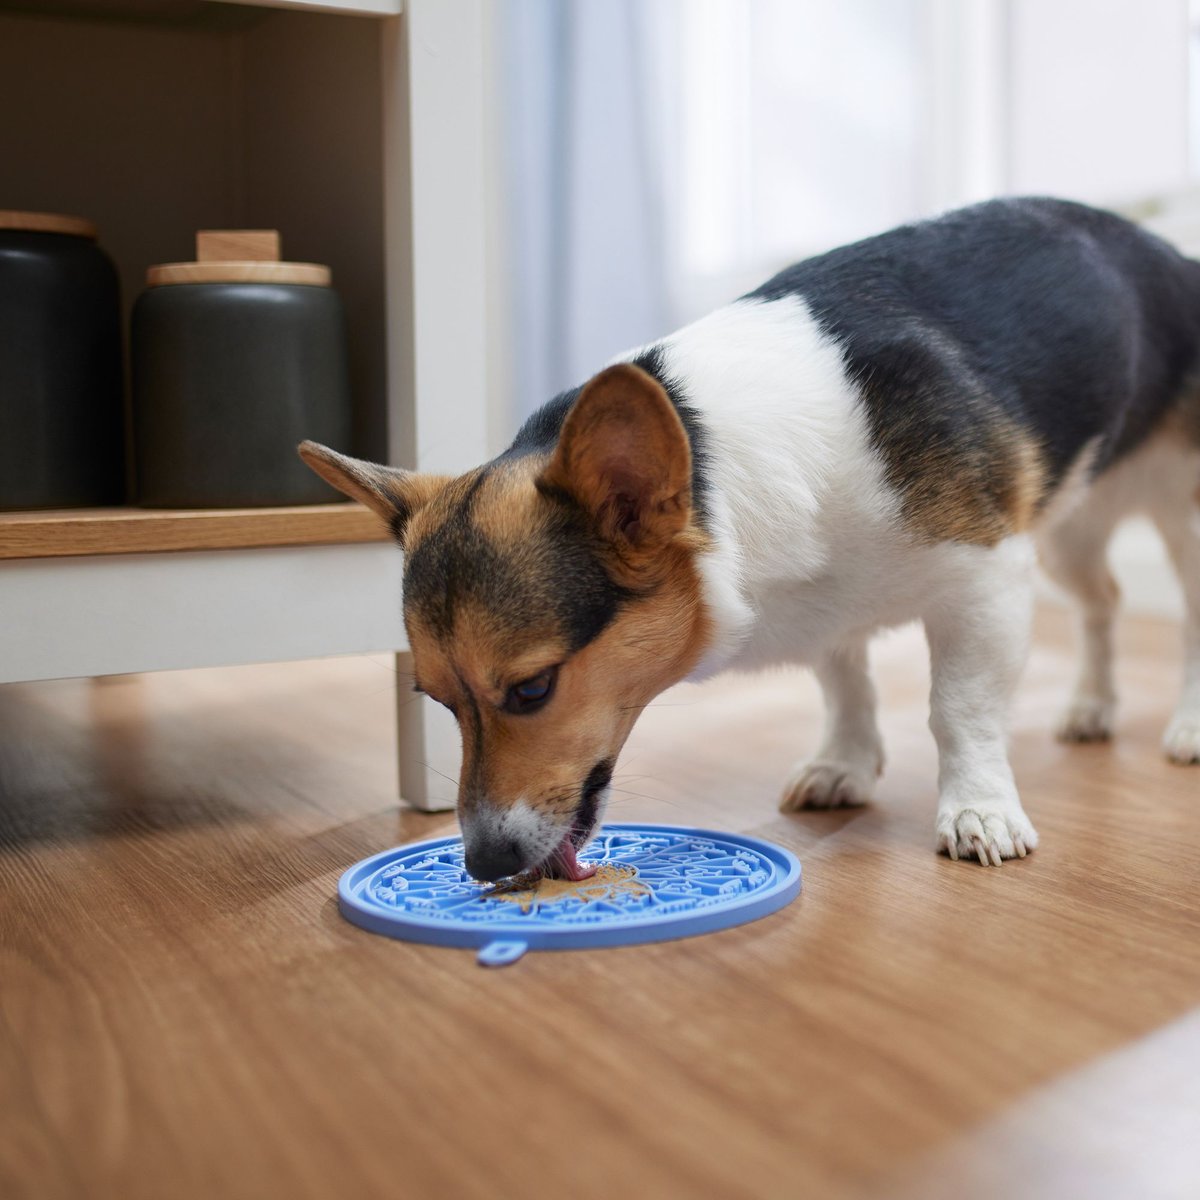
799 621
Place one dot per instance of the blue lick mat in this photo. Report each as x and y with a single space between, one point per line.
656 882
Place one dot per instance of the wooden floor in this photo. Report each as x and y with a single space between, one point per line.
184 1014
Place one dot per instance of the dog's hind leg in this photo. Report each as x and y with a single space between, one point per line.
1074 555
851 755
1179 523
978 632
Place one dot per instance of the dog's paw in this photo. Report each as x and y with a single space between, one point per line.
1181 742
1087 719
989 832
826 784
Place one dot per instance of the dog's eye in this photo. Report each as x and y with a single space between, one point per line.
531 693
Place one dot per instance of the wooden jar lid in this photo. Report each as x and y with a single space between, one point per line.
36 222
238 256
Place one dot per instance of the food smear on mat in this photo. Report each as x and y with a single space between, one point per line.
528 890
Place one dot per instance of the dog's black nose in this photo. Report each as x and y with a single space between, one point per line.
495 860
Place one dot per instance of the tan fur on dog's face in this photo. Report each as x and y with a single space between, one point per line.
539 762
581 563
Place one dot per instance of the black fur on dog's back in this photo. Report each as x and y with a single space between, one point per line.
1009 333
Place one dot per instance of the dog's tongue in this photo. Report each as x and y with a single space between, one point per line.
564 863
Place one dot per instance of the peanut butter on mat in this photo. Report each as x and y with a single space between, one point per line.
610 880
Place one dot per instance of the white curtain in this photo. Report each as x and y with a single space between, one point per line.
587 255
662 156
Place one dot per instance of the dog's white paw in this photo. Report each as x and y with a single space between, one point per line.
827 784
1181 742
987 832
1087 719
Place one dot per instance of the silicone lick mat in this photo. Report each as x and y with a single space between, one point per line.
665 882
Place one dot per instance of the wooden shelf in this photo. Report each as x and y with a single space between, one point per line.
60 532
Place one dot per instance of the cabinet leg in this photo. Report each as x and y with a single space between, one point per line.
428 744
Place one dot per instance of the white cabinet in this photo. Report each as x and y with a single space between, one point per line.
358 131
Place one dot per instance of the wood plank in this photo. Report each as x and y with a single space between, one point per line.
57 533
364 8
184 1013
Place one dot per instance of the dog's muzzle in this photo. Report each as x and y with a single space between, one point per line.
497 852
492 860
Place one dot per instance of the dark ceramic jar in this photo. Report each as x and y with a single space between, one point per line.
62 439
235 361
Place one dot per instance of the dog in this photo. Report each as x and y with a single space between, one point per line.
889 432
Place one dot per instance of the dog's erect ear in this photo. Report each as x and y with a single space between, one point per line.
623 455
393 493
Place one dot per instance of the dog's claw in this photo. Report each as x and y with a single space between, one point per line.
1087 719
824 784
1181 742
985 834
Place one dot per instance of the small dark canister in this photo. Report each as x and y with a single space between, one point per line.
62 433
237 357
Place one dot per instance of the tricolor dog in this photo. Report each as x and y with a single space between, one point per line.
882 434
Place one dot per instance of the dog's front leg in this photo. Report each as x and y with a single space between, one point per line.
851 755
978 631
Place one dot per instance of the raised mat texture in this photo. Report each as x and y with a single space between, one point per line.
655 882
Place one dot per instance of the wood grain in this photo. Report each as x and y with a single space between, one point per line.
184 1013
55 533
39 222
237 245
308 274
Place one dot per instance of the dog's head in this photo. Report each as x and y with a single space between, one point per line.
548 597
